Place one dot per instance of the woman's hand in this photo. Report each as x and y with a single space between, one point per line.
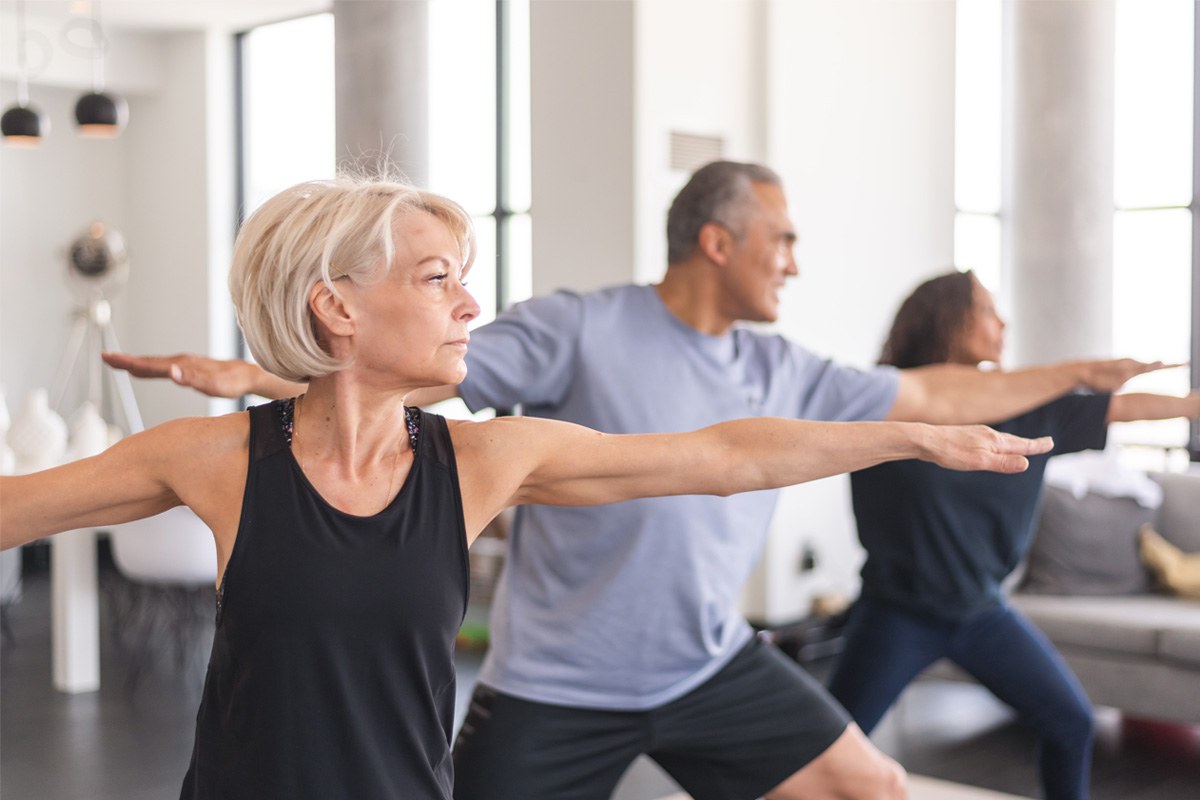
978 447
1133 407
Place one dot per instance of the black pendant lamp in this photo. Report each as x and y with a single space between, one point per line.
98 113
23 125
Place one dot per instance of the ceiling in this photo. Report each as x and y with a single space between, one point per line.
175 15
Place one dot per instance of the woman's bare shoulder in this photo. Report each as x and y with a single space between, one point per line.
226 430
467 433
193 440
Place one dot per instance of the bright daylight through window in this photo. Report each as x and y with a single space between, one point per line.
1152 248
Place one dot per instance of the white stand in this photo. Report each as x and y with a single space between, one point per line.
75 596
75 611
92 332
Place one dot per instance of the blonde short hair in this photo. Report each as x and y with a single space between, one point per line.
321 231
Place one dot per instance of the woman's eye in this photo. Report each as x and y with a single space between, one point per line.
439 278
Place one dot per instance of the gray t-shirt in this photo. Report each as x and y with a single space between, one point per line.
631 605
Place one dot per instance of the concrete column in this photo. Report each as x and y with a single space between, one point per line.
583 131
1059 178
381 61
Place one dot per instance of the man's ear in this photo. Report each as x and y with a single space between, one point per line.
331 311
714 241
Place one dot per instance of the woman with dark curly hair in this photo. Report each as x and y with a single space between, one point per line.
939 544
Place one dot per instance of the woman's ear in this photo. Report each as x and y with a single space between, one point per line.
714 241
331 311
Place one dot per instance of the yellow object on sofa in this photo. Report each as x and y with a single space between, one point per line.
1175 569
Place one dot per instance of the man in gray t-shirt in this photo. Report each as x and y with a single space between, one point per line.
614 629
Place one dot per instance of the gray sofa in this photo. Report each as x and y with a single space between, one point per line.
1133 646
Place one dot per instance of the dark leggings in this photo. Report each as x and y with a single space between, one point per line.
887 647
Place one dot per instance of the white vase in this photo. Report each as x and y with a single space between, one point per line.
37 436
89 433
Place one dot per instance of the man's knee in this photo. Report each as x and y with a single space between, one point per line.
850 769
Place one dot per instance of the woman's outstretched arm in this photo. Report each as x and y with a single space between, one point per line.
198 462
1132 407
955 394
210 376
513 461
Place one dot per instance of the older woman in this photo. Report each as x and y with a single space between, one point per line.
342 517
939 544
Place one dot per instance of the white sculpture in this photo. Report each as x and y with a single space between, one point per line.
37 436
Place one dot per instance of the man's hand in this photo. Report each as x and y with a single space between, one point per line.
1111 374
210 376
978 447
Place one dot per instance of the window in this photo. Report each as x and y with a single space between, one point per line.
479 136
1152 230
977 129
479 124
1154 255
286 106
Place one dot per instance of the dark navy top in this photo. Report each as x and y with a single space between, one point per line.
940 542
332 668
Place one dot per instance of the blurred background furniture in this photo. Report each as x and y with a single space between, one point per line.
163 598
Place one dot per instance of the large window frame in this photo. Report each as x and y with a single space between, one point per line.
510 212
975 220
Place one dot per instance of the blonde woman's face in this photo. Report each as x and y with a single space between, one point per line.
411 328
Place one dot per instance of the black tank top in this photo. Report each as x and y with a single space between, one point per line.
332 668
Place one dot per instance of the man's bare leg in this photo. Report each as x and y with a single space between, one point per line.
850 769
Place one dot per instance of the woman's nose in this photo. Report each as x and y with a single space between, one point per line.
469 309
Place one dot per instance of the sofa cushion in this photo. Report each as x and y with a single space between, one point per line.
1135 625
1183 644
1178 518
1086 546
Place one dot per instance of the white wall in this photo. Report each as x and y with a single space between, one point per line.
56 57
48 196
165 184
181 215
700 69
582 109
610 81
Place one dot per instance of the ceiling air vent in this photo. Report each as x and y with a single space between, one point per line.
690 151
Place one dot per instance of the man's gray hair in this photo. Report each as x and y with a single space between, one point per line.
720 192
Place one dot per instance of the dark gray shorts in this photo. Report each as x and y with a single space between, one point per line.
740 734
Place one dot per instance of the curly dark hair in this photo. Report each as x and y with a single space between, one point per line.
928 320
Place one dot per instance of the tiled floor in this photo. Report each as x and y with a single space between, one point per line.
114 745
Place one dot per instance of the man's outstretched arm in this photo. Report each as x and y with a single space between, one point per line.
210 376
954 394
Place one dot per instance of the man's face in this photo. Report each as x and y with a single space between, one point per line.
760 258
